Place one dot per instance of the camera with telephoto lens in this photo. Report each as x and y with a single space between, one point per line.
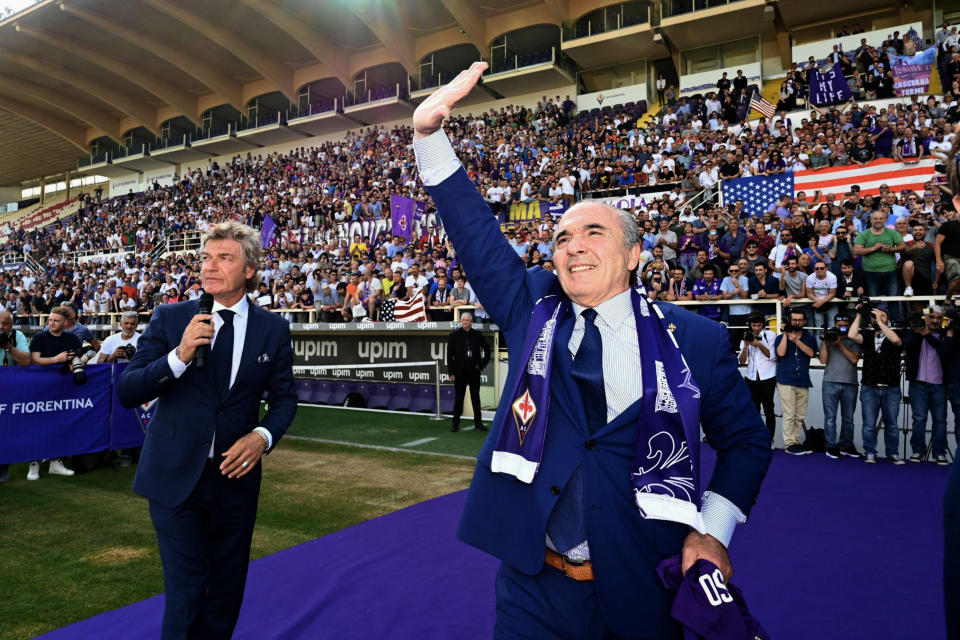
77 360
865 307
915 320
4 340
951 313
831 335
129 351
749 336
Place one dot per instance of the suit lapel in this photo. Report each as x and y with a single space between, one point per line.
565 388
253 339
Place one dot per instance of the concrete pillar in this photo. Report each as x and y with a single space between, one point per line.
43 188
68 184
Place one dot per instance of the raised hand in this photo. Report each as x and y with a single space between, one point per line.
430 114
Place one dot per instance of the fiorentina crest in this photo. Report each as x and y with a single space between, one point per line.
145 412
523 412
403 222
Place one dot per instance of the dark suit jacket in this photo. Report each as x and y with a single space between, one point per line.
457 351
508 518
191 411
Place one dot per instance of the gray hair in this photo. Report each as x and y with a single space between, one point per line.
466 314
129 314
249 241
628 224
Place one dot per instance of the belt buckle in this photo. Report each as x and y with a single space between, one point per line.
564 561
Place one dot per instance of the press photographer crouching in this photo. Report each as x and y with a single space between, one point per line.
120 347
14 352
757 353
880 383
839 356
928 394
54 347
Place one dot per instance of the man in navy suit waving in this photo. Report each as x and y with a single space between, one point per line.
591 474
200 464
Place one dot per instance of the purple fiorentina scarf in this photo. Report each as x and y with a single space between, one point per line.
666 474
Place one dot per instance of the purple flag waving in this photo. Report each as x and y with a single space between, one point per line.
402 211
267 232
829 87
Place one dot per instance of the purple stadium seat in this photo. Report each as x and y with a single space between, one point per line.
402 397
380 396
362 388
302 385
424 399
339 392
320 391
447 397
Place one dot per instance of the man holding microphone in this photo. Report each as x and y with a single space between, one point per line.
200 463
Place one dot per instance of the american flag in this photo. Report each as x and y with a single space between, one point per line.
761 104
394 310
760 194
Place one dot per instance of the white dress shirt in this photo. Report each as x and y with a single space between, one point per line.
241 310
759 366
437 161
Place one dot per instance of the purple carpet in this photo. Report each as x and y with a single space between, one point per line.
834 549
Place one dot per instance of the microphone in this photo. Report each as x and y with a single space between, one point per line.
206 308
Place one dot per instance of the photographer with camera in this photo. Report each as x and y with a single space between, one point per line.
839 356
757 353
927 391
794 348
120 347
14 351
54 347
880 384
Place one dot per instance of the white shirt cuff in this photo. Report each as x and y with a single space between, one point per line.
436 158
720 517
263 431
176 364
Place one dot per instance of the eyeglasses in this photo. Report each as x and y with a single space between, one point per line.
819 268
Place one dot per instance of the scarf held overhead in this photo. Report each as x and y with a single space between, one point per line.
665 473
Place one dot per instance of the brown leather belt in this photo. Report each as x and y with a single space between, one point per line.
579 572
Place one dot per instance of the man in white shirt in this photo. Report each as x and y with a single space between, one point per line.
761 361
113 348
822 289
415 281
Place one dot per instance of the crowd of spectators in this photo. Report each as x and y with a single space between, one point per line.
516 154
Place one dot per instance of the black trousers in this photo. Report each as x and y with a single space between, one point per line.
205 549
762 392
471 379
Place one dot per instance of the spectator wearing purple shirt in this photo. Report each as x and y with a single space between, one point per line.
708 288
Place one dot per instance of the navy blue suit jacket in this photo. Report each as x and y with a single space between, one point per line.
508 518
191 411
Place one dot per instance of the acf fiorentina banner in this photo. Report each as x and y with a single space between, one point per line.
43 414
128 427
911 74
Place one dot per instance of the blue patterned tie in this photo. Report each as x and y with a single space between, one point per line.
221 357
566 525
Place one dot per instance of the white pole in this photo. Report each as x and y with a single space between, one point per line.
436 364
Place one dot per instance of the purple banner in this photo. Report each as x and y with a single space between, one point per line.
43 414
267 232
402 212
911 74
128 427
828 88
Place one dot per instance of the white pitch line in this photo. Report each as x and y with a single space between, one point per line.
417 442
381 448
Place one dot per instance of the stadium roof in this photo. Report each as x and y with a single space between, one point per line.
72 71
